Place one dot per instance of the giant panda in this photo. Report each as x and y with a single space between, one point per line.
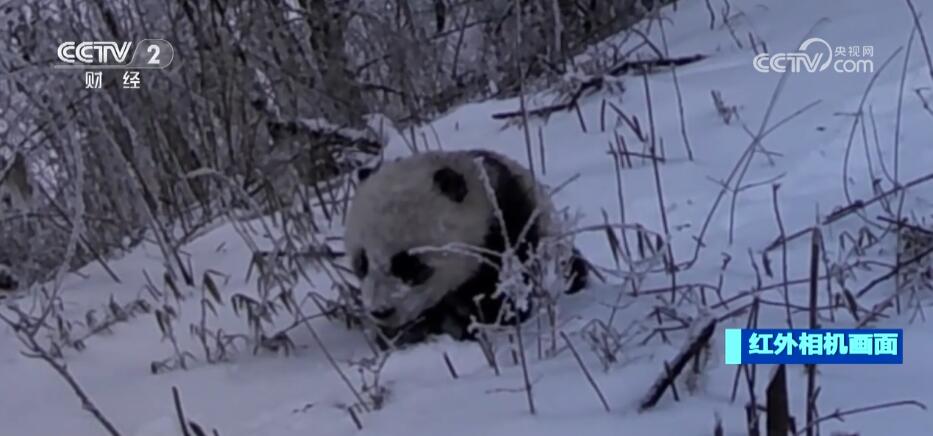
434 199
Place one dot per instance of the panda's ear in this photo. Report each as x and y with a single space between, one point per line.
451 184
364 173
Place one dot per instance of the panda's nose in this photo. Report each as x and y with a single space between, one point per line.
383 313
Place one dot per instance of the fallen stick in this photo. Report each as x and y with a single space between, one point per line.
861 204
596 83
669 375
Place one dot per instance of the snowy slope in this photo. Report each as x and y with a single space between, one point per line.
302 394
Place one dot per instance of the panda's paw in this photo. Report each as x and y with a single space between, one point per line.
580 272
8 282
403 337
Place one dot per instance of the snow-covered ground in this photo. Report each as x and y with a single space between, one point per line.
302 394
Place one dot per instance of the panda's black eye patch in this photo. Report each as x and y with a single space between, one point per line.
451 184
361 264
410 269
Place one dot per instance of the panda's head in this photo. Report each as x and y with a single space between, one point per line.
425 201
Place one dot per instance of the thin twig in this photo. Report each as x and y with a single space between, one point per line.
180 412
780 222
838 414
811 369
586 372
923 39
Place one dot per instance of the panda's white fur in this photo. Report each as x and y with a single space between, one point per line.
399 207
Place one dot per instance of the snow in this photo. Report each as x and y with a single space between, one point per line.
302 394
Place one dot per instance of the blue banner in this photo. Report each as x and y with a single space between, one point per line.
816 346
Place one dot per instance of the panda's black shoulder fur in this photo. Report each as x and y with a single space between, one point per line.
453 314
515 202
475 297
